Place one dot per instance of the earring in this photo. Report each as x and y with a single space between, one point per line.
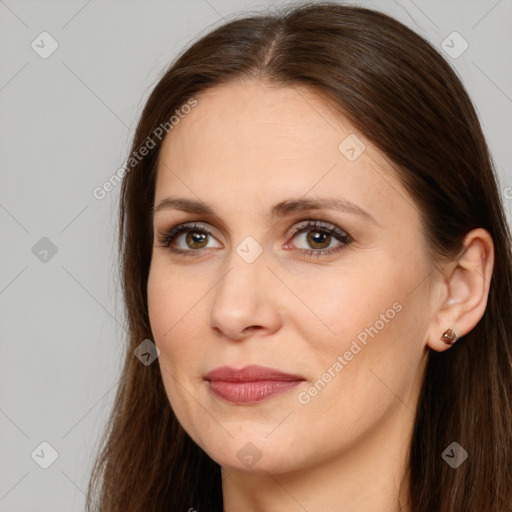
449 337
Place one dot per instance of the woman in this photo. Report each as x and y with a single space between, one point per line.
312 236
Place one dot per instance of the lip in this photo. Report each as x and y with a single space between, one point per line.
250 373
249 384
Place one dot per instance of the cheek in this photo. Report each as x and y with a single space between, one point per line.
178 312
172 318
167 316
346 306
363 375
160 304
369 336
169 298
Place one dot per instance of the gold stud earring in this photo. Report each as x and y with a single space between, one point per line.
449 337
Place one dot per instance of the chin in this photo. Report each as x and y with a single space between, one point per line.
254 454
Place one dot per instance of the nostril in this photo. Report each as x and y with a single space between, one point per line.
252 327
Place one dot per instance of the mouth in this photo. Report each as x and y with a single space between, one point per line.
249 384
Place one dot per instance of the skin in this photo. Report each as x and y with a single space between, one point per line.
245 147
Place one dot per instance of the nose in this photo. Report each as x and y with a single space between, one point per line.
245 300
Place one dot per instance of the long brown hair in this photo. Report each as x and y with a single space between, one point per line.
397 89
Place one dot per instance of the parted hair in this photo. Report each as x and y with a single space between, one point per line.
398 90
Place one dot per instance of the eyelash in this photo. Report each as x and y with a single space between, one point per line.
167 237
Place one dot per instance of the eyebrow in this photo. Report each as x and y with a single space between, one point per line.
279 210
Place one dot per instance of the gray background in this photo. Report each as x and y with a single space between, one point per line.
66 125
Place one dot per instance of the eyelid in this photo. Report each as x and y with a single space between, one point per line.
310 224
343 238
166 237
297 227
302 222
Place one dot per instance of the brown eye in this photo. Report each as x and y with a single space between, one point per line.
186 239
195 239
318 236
190 239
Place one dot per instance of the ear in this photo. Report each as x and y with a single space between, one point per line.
465 290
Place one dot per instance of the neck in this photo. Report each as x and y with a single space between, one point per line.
370 476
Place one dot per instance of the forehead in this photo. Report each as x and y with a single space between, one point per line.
242 119
261 142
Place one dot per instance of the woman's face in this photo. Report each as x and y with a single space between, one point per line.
342 304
